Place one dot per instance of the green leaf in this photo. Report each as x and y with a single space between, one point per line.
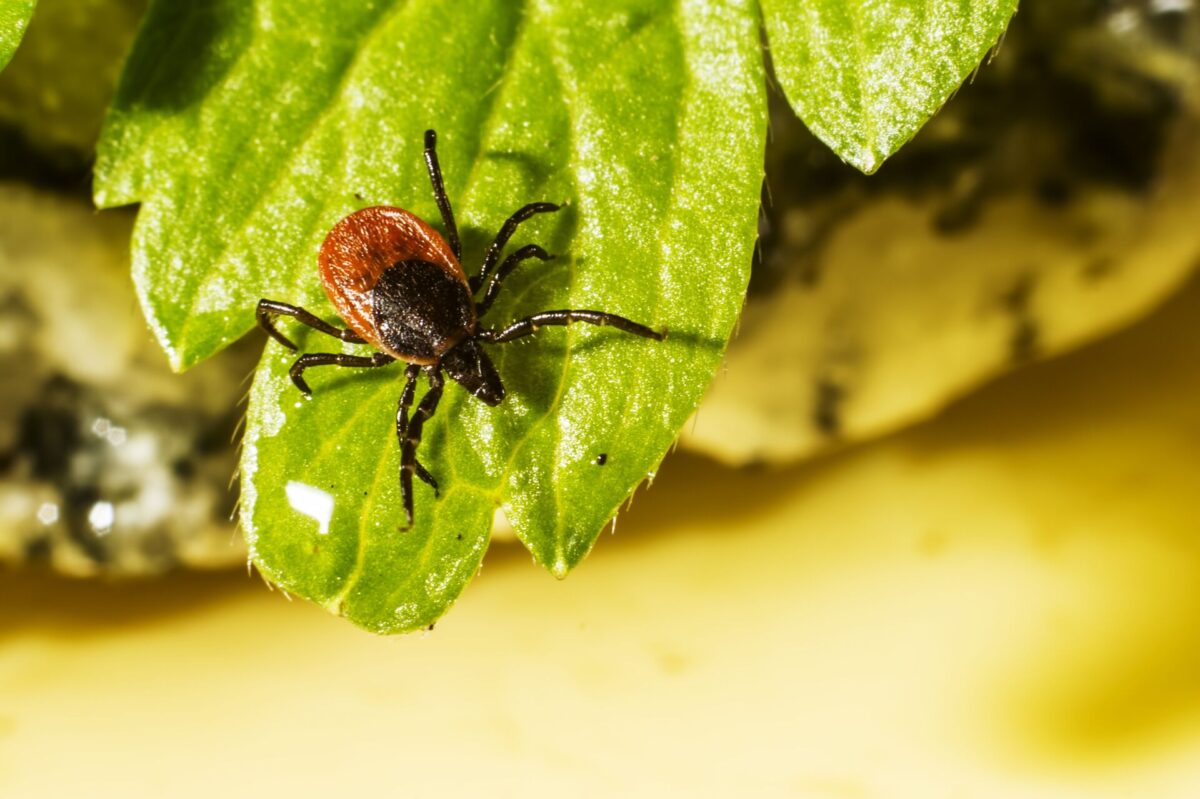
865 75
248 131
14 19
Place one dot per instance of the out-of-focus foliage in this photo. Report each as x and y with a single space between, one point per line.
14 19
58 86
865 75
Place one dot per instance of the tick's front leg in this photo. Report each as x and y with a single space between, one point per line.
333 359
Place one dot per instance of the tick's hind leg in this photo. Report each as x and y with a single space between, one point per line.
332 359
406 398
531 324
408 431
268 309
426 477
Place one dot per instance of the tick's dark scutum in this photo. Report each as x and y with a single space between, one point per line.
421 310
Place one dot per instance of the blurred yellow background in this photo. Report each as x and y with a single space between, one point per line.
1000 603
1003 602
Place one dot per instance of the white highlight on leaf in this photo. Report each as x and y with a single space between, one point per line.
407 614
270 412
312 502
437 582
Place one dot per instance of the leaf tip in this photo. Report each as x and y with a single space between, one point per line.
177 360
870 166
865 159
103 196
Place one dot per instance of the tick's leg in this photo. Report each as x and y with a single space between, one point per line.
409 433
332 359
510 263
426 477
268 309
532 324
506 231
439 192
406 398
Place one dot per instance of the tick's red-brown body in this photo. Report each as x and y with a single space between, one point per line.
400 287
364 246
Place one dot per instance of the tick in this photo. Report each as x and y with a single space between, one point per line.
401 288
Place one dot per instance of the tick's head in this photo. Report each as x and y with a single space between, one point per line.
470 366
